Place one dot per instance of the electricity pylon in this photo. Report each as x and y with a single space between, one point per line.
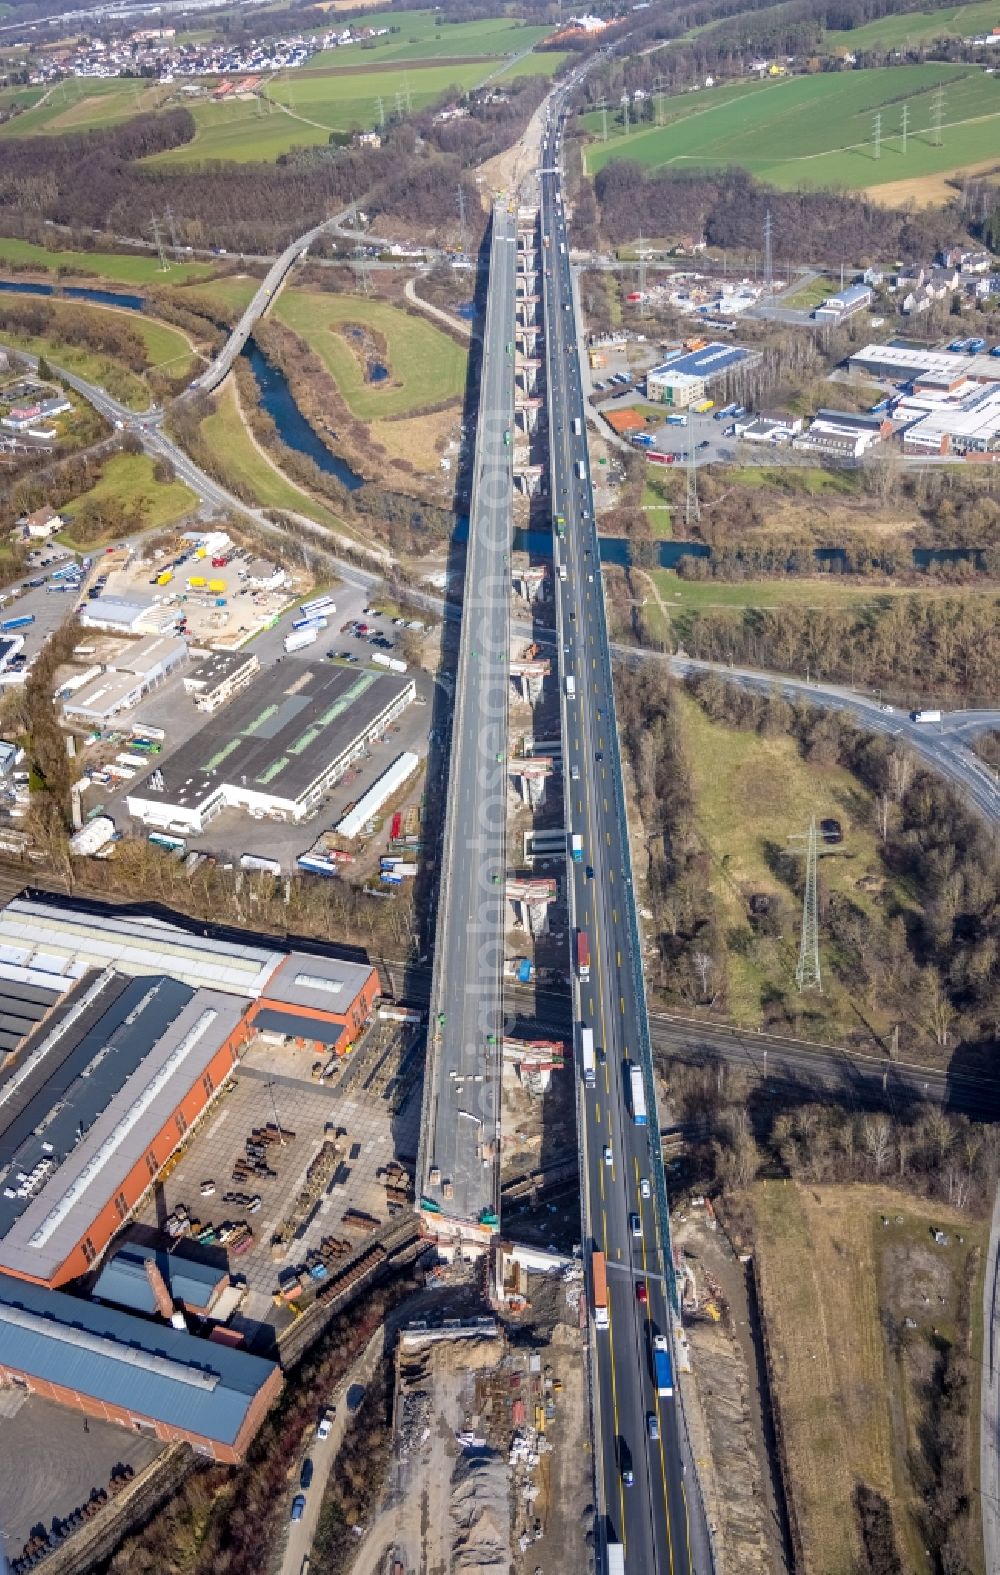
158 242
768 259
937 115
807 972
906 124
877 136
692 508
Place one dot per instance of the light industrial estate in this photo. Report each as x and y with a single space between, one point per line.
276 749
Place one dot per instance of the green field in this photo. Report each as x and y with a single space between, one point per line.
419 37
128 269
127 477
227 436
828 119
302 108
84 104
425 366
119 382
918 27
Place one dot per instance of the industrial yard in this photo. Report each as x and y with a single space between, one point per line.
305 1160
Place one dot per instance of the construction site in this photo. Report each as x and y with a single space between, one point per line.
487 1471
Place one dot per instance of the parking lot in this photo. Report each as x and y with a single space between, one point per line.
707 434
233 832
369 1108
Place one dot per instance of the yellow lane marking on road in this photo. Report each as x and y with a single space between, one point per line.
622 1000
618 955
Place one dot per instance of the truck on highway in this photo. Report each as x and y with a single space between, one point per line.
582 955
587 1056
581 470
616 1559
637 1089
300 638
599 1277
570 687
576 848
577 427
915 716
662 1367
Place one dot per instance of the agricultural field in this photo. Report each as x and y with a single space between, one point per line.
828 119
139 268
86 104
302 108
751 793
839 1266
125 480
424 35
425 367
918 27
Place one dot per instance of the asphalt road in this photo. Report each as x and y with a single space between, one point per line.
461 1101
642 1479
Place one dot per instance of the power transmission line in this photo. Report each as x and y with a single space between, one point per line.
158 242
807 971
692 508
768 259
461 220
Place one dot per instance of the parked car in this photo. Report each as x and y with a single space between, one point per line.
298 1506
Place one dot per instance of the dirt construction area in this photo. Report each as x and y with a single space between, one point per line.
864 1290
490 1470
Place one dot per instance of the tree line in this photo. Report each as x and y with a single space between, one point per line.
728 208
912 647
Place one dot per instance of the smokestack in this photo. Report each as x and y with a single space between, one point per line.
164 1300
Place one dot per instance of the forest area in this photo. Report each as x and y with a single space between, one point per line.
95 180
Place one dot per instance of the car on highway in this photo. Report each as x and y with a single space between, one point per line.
599 755
574 772
652 1425
641 1294
298 1507
635 1225
628 1476
644 1187
590 872
608 1156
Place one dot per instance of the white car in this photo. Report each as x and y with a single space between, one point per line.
325 1428
644 1187
608 1157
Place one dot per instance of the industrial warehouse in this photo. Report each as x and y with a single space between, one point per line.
120 1032
275 750
144 1024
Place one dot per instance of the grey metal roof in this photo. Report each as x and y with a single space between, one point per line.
50 942
22 1006
121 1083
278 736
327 984
147 1368
124 1280
270 1021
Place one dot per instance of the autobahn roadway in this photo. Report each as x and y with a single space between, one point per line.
462 1080
647 1496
